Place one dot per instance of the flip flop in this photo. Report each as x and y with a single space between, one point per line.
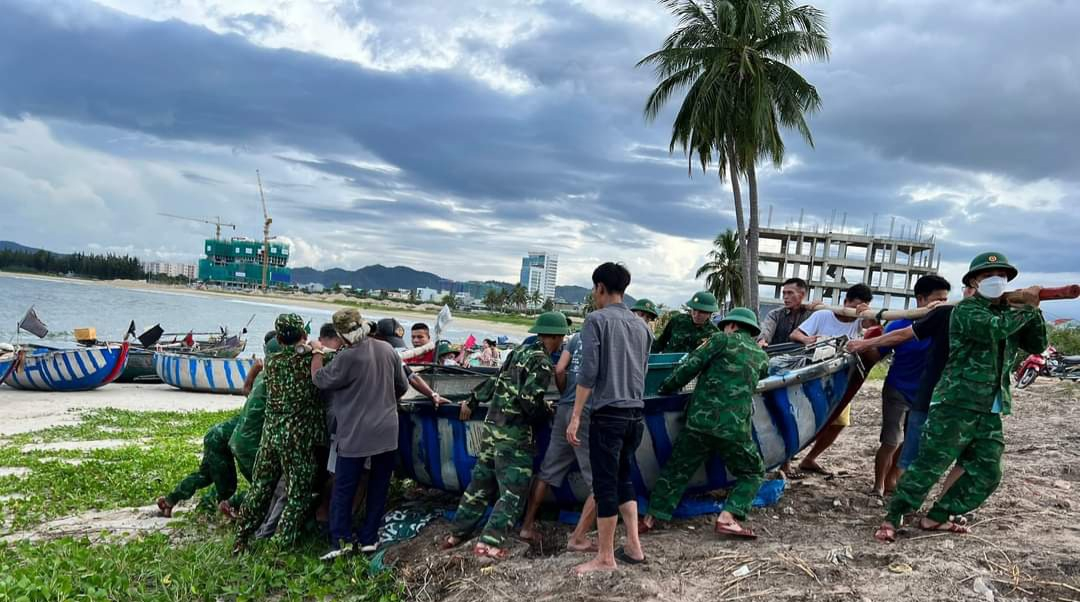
886 533
734 531
946 527
625 558
483 551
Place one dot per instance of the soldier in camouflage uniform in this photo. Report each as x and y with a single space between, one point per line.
217 468
718 421
685 332
964 425
646 310
294 425
515 398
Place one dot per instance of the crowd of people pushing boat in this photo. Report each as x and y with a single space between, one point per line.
321 415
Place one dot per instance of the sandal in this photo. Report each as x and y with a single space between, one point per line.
734 530
165 507
886 533
623 557
945 527
481 550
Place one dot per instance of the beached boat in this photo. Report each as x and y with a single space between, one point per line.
439 450
202 374
8 355
140 366
51 369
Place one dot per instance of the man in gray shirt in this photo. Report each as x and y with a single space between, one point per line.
614 358
364 383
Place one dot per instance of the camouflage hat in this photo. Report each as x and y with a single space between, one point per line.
646 306
744 316
347 320
989 261
703 301
289 326
552 322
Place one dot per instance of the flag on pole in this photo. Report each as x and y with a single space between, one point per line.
442 320
151 336
30 323
469 342
189 340
130 331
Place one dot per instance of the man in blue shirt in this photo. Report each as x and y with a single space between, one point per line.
902 385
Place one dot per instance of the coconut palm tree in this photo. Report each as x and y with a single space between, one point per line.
491 299
731 57
536 298
519 297
723 270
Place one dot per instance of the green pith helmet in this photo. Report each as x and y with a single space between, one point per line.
742 315
989 261
552 322
646 306
703 301
443 349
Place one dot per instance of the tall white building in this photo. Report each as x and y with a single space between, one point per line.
539 272
189 271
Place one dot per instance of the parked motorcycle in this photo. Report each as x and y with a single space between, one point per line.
1048 363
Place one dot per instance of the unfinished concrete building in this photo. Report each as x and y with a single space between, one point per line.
833 261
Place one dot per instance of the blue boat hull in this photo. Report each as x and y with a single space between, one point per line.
48 369
439 450
203 374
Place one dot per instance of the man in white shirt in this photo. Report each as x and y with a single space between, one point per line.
823 324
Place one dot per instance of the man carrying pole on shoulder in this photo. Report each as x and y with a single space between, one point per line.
964 425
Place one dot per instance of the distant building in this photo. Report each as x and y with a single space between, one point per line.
424 294
172 270
539 272
239 262
313 287
831 262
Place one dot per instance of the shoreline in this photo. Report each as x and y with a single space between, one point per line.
507 328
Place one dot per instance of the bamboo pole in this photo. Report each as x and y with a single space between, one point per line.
1071 291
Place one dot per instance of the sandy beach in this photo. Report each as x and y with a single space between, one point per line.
426 312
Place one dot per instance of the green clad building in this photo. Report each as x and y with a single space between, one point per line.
239 263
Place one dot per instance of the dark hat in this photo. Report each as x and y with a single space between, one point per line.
391 331
989 261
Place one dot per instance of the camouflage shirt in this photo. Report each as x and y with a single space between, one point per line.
515 396
293 405
983 338
681 335
244 442
723 399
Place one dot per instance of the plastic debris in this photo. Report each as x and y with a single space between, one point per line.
983 588
900 568
742 571
841 555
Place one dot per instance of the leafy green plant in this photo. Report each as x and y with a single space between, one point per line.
1065 340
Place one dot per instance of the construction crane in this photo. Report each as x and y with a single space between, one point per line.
217 223
266 232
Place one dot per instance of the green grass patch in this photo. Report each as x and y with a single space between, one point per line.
158 567
879 371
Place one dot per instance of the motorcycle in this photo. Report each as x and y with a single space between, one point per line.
1033 366
1048 363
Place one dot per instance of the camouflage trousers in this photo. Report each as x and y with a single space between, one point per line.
975 441
279 457
217 467
503 470
692 448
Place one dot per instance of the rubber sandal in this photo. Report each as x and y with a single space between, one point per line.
732 530
946 527
625 558
164 507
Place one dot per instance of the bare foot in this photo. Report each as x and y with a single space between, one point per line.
227 510
449 542
586 545
530 535
948 527
886 533
165 507
595 566
813 467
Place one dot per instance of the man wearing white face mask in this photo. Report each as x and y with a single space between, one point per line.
964 425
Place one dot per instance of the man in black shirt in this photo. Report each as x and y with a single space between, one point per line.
779 323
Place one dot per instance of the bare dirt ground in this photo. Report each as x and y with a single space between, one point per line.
816 543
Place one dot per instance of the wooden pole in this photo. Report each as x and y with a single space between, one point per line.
1071 291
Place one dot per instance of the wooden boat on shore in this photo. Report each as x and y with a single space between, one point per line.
202 374
140 366
439 450
8 356
50 369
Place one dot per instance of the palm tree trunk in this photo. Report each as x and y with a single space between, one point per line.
752 237
740 222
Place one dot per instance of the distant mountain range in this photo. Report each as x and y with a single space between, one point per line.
383 277
7 245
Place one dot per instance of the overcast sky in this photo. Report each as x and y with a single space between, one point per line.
454 137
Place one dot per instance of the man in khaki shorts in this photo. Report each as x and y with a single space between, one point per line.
561 456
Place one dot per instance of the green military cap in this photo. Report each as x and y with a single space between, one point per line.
552 322
289 326
443 349
347 320
703 301
744 316
646 306
989 261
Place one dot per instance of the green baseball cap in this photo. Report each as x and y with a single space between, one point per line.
703 301
989 261
646 306
552 322
744 316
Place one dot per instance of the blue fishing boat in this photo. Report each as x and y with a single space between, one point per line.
202 374
8 356
790 408
50 369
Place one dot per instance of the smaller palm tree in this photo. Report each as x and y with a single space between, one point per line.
536 298
519 297
723 270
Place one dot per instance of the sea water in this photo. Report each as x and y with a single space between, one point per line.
64 305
